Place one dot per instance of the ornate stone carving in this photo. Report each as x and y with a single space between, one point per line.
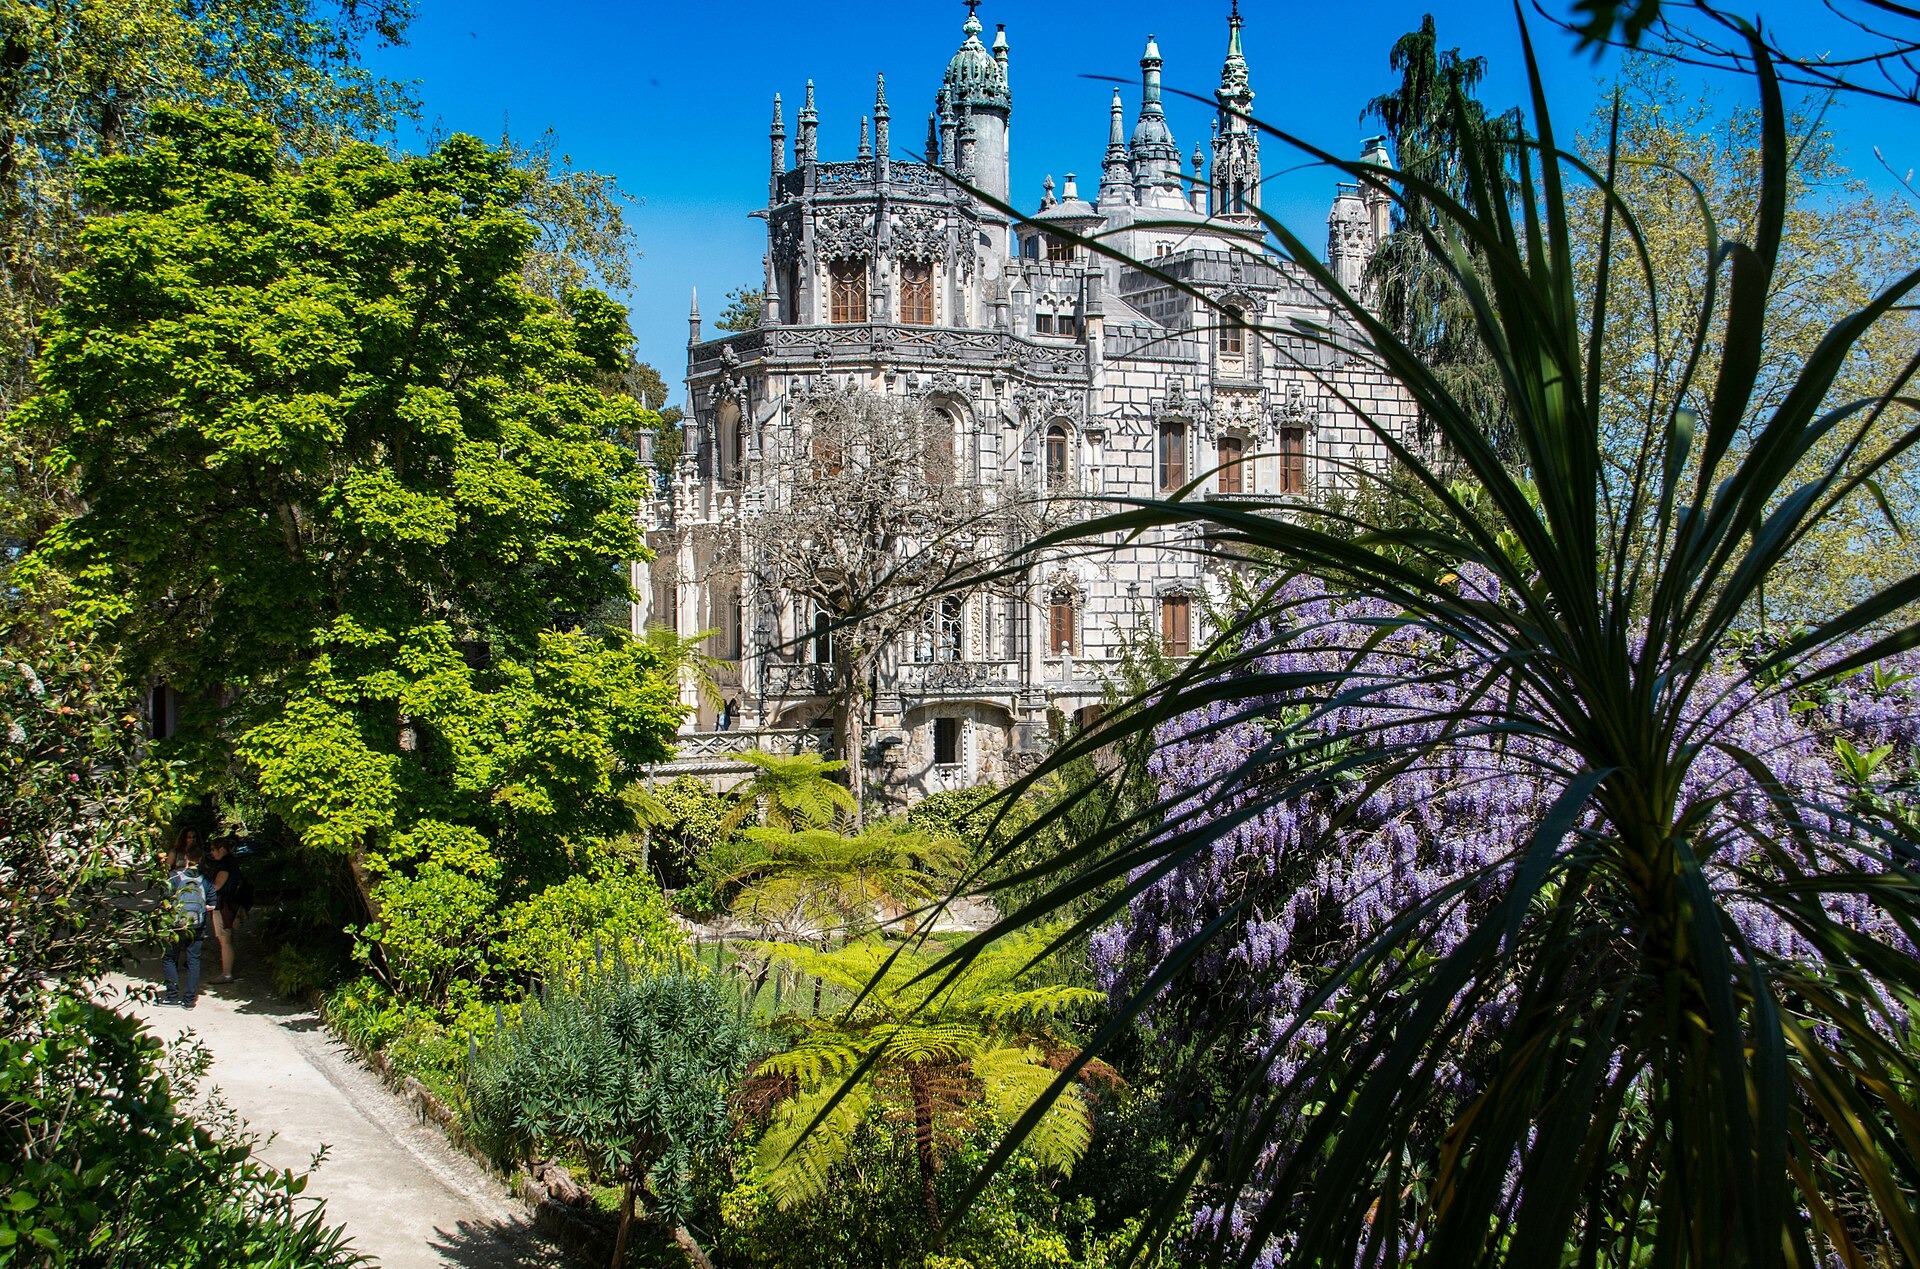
843 233
919 234
1296 409
786 242
1042 405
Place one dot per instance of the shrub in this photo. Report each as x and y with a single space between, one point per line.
302 970
627 1069
583 919
869 1216
100 1165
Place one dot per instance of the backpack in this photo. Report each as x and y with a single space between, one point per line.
189 902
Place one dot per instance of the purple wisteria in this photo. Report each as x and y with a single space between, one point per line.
1323 866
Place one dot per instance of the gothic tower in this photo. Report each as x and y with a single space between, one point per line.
1236 146
1156 159
976 96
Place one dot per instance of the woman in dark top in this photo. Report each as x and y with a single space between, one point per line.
223 871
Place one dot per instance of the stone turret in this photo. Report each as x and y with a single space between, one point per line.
975 90
1379 202
1236 145
1116 173
1350 240
778 136
806 146
1156 159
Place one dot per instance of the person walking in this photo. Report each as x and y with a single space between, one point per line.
222 872
192 898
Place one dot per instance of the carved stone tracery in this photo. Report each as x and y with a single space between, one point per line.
919 234
843 233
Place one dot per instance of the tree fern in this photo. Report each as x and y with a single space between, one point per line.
948 1046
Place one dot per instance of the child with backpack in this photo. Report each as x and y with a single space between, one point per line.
192 901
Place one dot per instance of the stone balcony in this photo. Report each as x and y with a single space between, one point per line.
715 753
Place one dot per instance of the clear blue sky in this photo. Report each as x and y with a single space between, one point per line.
674 98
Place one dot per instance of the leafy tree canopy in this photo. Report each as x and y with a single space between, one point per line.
346 483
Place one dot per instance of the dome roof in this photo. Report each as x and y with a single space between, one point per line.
974 76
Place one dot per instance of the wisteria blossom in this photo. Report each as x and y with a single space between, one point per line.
1323 853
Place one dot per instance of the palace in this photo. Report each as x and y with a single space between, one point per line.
1054 367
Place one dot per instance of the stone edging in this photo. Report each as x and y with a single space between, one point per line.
548 1190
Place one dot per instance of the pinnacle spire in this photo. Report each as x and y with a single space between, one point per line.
807 144
866 144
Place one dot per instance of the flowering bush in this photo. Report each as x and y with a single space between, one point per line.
1406 810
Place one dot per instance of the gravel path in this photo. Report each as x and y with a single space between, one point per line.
407 1198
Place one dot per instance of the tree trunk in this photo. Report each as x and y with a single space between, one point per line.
626 1224
923 1147
691 1249
853 732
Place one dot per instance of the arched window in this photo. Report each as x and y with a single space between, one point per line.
937 452
1173 454
1233 453
847 291
1233 332
938 638
916 293
822 637
1058 468
1060 624
1239 197
1293 459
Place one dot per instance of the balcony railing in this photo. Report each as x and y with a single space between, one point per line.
720 746
789 679
935 678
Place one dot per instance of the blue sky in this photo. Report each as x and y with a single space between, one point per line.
674 99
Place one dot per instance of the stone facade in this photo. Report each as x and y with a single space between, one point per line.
1057 368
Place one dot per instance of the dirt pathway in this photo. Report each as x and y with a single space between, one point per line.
407 1198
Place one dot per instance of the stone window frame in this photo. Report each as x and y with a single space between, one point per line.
1239 474
1176 623
1063 430
1168 477
923 290
848 281
1064 595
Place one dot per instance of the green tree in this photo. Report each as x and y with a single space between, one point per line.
346 482
744 306
628 1070
1840 244
1432 118
944 1047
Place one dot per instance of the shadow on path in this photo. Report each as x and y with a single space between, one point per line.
407 1198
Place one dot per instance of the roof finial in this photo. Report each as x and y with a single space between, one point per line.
866 146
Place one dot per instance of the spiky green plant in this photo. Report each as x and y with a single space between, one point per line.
984 1037
1665 1092
629 1069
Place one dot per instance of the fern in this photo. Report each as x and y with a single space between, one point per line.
801 1146
975 1037
1013 1079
